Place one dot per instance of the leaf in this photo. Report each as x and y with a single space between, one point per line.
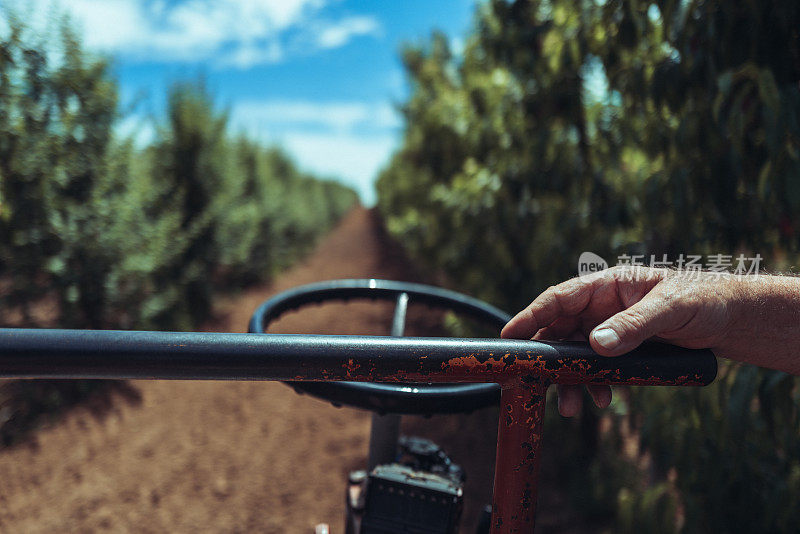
768 90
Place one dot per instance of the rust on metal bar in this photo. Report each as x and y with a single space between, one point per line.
34 353
524 369
519 440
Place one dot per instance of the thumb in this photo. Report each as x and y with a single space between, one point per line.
627 329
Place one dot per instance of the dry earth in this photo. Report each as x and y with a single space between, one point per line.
160 456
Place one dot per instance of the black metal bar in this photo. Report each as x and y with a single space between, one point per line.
38 353
399 318
383 435
385 428
383 397
371 288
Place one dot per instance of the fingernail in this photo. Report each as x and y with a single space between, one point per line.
606 338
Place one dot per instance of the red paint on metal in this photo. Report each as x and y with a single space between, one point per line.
519 440
524 379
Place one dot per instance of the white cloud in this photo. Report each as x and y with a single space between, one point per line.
336 35
138 128
350 141
239 33
300 114
250 54
353 159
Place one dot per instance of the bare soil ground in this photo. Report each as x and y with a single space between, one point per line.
161 456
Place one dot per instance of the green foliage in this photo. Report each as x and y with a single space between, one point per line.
495 168
135 237
654 127
121 236
189 164
736 446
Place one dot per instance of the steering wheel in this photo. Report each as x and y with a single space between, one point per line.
382 397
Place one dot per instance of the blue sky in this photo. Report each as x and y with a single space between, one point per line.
319 77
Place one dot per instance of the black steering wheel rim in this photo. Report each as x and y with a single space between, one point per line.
381 397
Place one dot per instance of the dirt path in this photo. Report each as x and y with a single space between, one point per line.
227 456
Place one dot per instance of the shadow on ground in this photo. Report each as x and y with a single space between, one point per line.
27 405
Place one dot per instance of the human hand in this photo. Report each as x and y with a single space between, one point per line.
619 308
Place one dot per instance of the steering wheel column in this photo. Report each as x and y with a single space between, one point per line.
524 373
389 401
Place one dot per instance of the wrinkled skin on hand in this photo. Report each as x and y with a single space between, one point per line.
754 319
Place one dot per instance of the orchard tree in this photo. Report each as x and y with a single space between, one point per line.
189 158
654 127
